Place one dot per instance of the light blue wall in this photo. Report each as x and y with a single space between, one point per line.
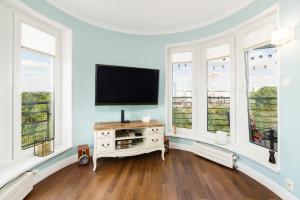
95 45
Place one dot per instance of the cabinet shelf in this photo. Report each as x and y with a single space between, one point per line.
129 138
133 147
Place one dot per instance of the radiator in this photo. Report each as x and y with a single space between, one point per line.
18 188
215 154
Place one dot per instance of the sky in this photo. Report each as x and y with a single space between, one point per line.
37 72
37 69
262 71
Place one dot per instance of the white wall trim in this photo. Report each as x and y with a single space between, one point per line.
180 146
98 23
54 168
231 31
40 175
259 177
266 181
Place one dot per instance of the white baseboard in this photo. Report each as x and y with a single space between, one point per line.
264 180
54 168
40 175
179 146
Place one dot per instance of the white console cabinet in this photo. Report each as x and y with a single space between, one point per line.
115 139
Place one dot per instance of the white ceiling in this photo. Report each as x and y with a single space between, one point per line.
150 16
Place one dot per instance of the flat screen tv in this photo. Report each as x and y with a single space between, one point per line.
118 85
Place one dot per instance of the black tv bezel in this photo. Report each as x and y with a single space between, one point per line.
125 103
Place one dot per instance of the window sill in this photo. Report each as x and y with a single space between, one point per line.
17 168
239 149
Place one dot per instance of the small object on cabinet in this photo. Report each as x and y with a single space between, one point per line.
146 119
174 129
83 154
43 147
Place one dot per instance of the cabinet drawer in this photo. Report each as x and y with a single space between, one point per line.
154 130
155 140
104 145
105 134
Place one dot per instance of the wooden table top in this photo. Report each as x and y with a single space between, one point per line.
133 124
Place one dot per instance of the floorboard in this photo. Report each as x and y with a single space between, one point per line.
182 176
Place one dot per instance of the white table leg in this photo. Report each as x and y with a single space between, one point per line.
95 163
163 153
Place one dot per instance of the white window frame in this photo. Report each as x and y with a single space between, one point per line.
6 82
239 135
20 18
12 165
199 94
169 79
218 42
241 91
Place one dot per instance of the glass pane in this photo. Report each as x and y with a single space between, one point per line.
35 39
218 94
37 86
182 94
262 66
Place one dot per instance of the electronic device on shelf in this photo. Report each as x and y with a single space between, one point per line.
123 117
138 134
83 154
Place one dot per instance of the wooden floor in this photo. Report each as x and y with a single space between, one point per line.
181 176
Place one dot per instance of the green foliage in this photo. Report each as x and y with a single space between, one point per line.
182 117
218 117
37 122
269 92
263 108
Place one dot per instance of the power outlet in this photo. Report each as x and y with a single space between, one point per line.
290 186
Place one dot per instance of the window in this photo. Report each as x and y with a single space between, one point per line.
228 84
37 82
34 56
262 75
37 90
218 88
37 85
182 89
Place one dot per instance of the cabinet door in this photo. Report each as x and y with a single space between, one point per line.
155 140
154 130
105 134
105 145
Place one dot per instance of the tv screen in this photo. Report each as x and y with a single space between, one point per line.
116 85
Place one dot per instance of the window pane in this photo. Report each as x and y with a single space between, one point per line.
37 86
35 39
182 91
218 94
262 66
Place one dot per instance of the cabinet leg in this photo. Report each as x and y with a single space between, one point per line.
163 154
95 163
